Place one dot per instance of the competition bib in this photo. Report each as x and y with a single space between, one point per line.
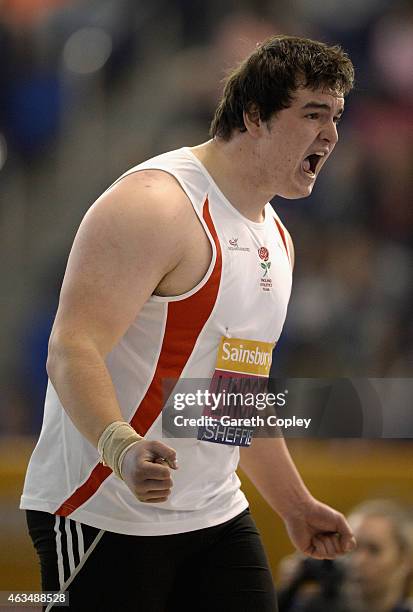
239 381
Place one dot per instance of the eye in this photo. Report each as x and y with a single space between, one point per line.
373 549
313 116
337 120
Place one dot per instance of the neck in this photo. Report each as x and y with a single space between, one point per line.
236 170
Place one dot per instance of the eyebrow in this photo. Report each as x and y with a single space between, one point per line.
321 106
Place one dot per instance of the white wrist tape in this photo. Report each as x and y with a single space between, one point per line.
115 440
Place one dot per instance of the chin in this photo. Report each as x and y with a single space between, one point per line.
297 193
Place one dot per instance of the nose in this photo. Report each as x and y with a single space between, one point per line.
329 133
359 559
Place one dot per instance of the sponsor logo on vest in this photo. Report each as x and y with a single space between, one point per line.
233 242
245 356
241 374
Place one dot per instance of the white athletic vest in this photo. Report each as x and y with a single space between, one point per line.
241 302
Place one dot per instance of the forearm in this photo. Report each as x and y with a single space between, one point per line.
85 389
267 462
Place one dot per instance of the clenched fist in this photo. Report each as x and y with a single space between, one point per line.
146 469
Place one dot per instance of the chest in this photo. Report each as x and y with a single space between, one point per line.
254 273
255 283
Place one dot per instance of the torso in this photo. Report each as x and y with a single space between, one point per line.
203 300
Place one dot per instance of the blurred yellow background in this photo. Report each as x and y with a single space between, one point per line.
340 473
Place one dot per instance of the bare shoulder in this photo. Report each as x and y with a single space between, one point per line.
144 211
146 194
128 241
155 183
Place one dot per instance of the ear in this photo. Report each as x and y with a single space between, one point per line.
252 120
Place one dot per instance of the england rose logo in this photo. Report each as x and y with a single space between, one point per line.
264 254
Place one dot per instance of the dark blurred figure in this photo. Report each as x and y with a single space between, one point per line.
381 568
313 586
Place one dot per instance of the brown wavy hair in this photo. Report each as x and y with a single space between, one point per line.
266 80
400 518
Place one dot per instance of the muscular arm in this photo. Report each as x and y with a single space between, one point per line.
128 241
314 528
267 462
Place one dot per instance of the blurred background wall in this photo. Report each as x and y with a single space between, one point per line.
90 88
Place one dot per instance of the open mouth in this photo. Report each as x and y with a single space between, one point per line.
311 162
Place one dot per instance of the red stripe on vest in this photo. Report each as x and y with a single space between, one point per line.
282 234
184 323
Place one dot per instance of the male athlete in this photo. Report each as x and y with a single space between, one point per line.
180 267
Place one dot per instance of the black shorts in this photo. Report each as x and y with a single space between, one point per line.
218 568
